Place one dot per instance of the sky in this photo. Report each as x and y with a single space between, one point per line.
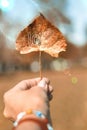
24 11
77 11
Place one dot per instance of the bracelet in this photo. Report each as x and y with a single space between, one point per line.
38 114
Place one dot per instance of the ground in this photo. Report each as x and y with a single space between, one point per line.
69 105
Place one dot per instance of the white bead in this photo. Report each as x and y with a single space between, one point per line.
20 115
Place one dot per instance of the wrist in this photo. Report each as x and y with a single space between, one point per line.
32 122
32 116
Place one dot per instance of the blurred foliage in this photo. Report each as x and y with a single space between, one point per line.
11 60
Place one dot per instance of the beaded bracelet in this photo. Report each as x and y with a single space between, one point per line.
36 113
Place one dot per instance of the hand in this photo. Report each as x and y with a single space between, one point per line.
32 93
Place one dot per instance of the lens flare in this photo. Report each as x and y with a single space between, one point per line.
74 80
6 5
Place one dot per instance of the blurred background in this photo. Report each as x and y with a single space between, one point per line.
68 72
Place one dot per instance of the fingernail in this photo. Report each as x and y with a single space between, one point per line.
42 83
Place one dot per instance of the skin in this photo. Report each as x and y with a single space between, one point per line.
38 93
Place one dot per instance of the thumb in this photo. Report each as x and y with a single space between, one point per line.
49 89
42 83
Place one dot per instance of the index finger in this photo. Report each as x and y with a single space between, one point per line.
27 84
35 81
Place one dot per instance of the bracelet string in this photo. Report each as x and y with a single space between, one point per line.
38 114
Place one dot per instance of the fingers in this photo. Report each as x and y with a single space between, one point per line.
36 81
50 97
27 84
45 84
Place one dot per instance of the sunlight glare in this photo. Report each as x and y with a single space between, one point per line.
4 3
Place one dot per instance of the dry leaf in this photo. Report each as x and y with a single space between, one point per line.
41 35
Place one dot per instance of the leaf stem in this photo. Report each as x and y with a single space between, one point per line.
40 64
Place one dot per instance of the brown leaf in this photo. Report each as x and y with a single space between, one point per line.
41 35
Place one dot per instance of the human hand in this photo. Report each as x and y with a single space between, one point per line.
31 93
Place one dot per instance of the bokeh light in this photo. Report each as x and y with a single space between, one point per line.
74 80
34 66
59 64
